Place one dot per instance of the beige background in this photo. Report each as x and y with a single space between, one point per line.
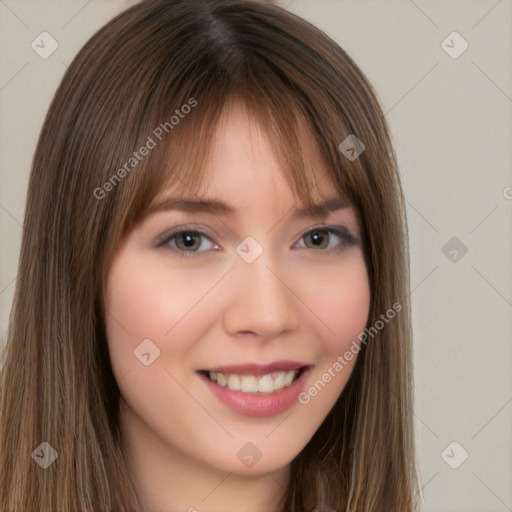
451 125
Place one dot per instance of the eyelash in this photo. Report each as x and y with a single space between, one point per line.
346 238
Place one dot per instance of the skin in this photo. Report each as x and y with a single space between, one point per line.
214 308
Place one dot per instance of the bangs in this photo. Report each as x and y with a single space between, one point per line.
180 159
172 105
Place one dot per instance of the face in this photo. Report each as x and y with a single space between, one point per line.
227 327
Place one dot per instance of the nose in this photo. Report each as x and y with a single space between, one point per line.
261 301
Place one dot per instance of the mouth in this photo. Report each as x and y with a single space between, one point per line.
259 391
256 382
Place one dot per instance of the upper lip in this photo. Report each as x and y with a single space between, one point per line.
258 369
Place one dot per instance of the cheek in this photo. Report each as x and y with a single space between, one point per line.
341 304
145 300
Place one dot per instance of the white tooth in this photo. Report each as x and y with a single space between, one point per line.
234 383
266 384
221 380
213 376
249 384
288 378
252 384
278 381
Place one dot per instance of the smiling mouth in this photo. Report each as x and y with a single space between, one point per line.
255 384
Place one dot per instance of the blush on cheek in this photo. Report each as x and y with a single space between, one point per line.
135 310
352 316
150 302
150 299
342 308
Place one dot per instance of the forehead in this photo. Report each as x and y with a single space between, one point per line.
245 174
244 153
247 156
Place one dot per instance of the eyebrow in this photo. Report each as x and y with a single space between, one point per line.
216 207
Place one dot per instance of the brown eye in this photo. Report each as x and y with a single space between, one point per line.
324 239
186 240
319 238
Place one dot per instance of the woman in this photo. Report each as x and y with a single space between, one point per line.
211 310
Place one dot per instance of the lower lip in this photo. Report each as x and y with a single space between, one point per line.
259 405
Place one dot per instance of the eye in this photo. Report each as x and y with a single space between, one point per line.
322 239
325 238
186 241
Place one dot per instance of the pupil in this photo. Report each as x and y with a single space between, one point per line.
317 237
188 241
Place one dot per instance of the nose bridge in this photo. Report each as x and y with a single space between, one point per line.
261 302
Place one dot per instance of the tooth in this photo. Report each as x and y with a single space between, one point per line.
278 381
288 378
221 380
266 384
252 384
234 383
249 384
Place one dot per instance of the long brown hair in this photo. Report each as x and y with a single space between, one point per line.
127 82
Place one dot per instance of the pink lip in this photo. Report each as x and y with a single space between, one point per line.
255 404
259 369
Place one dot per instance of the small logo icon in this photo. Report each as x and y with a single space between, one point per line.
44 45
351 147
454 455
146 352
44 455
249 455
454 249
249 249
454 45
